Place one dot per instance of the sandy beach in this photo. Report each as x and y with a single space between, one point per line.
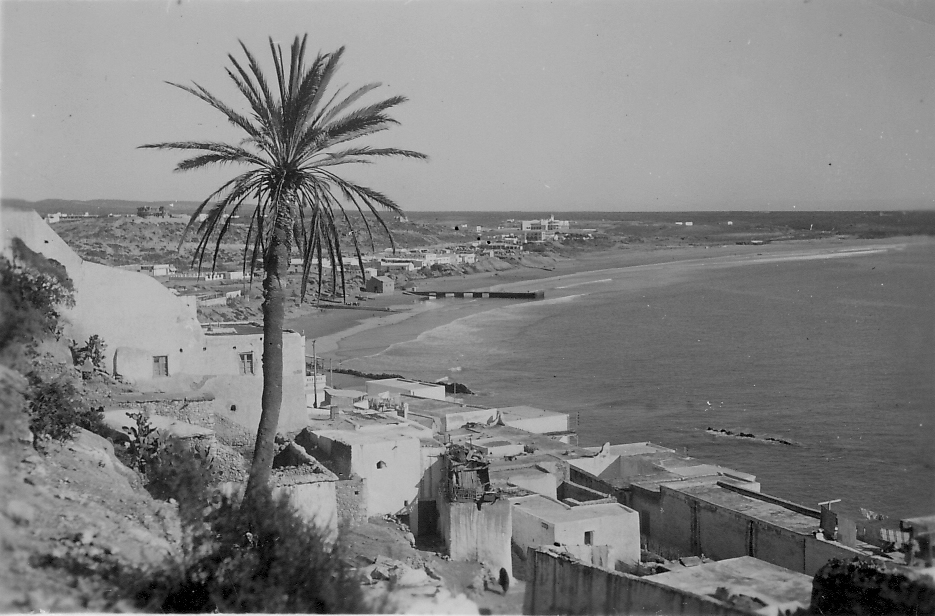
336 332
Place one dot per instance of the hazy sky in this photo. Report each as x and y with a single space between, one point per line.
589 105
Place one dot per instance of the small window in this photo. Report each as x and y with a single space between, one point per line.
246 363
381 464
160 365
589 537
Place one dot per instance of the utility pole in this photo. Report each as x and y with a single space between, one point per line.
315 372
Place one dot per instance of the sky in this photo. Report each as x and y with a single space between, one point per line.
615 105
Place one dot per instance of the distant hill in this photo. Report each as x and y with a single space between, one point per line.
98 207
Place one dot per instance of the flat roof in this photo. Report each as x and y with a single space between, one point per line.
345 393
543 447
406 382
551 510
526 412
352 437
653 465
753 507
438 408
228 329
376 425
745 575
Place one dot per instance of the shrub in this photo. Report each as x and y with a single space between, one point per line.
34 288
93 349
143 443
181 470
255 555
56 409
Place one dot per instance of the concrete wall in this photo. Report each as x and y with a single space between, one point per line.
557 585
478 534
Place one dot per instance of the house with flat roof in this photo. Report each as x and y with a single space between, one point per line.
391 465
696 508
396 463
744 582
442 416
154 339
537 421
379 284
397 387
602 534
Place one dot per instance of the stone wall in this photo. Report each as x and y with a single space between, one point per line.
351 495
558 585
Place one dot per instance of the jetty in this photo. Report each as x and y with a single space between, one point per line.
480 294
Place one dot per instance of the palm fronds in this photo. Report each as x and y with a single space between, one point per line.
293 134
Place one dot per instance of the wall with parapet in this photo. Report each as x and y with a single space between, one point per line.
556 585
479 534
582 494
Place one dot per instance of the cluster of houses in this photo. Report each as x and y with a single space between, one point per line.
625 527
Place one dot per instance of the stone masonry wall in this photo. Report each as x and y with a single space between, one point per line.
351 496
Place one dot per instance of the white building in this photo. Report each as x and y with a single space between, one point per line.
602 534
409 387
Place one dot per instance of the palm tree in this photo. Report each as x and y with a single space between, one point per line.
295 136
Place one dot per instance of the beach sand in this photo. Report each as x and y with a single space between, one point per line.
336 332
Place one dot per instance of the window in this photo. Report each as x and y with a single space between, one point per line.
588 537
160 365
381 464
246 363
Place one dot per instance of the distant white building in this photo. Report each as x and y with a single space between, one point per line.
545 224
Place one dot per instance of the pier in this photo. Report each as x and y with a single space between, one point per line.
480 294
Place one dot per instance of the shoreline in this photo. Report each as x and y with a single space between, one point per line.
327 332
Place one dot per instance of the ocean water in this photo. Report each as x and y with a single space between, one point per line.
833 352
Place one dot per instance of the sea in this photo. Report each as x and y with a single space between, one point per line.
831 350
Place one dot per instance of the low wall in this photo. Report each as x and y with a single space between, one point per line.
582 494
556 585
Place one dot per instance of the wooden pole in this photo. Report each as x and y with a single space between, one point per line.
315 372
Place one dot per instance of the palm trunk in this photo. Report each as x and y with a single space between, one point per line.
276 264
